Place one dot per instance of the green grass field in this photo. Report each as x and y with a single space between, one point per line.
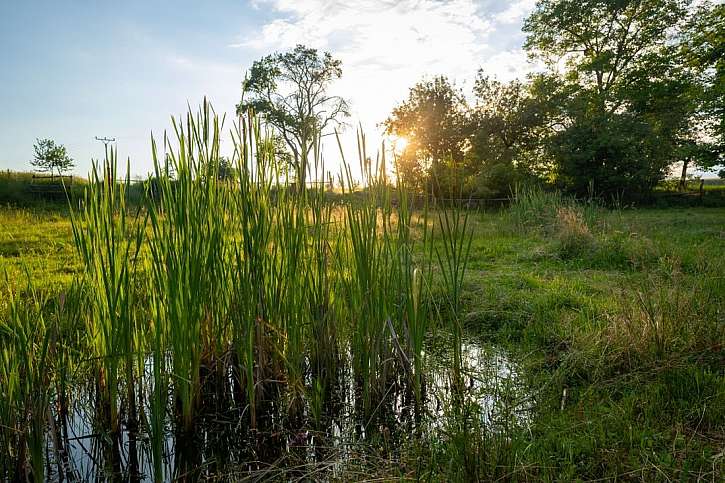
617 317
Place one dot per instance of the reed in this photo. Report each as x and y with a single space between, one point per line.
250 293
188 250
28 342
109 244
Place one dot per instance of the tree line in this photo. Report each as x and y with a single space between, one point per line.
630 88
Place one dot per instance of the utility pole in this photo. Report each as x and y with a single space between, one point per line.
105 141
109 173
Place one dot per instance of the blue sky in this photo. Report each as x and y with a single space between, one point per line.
72 70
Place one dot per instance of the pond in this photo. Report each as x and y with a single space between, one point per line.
330 439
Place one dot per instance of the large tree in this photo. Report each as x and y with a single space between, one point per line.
702 48
608 133
51 157
434 121
601 42
290 90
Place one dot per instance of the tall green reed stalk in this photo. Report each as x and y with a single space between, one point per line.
452 254
384 282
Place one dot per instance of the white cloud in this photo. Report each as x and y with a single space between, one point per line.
516 11
507 65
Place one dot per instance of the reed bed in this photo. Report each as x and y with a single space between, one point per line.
245 299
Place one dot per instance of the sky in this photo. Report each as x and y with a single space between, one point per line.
74 70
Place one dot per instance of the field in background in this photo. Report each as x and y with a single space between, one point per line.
616 316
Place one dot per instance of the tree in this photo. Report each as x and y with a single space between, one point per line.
703 50
290 91
671 97
50 157
601 41
608 130
226 170
506 124
434 121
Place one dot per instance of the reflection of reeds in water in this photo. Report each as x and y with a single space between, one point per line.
242 303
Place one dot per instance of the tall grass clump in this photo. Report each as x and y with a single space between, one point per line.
666 315
533 208
109 241
26 355
188 249
572 235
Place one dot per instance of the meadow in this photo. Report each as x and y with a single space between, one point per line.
249 330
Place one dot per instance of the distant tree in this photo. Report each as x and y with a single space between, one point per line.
290 91
434 120
50 157
226 171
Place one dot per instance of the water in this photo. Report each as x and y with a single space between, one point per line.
321 443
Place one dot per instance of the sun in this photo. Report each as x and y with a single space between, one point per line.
398 143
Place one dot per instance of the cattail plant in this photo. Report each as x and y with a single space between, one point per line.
28 341
109 243
188 249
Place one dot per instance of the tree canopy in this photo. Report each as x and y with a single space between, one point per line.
50 157
434 121
290 91
631 90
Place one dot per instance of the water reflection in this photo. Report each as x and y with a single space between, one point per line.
330 432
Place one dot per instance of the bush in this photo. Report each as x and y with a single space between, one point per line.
16 188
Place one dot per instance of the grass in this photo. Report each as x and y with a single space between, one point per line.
250 302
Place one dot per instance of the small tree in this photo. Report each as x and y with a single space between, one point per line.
50 157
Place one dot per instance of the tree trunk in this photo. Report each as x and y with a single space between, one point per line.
683 176
302 170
